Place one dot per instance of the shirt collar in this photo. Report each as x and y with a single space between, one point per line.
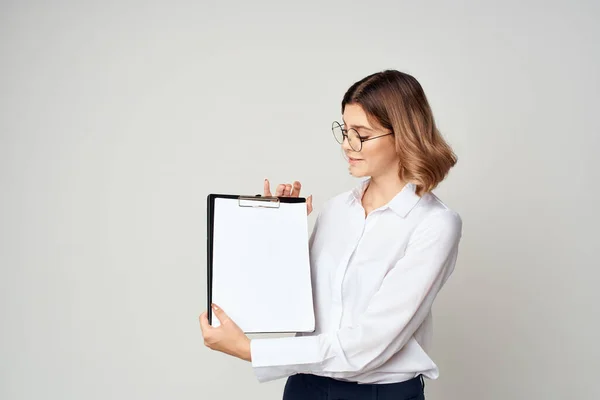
401 204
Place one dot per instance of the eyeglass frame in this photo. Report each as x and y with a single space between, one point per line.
345 135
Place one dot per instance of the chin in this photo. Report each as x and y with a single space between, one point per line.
357 172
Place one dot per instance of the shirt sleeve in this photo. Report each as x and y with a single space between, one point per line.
407 292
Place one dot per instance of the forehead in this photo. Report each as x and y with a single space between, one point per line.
354 115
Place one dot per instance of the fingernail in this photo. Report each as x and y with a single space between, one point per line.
215 307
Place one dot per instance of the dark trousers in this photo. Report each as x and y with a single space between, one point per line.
313 387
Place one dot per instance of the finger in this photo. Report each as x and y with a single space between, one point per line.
296 189
223 318
204 325
267 188
280 189
288 190
309 205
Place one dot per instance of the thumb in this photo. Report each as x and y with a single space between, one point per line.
309 206
219 313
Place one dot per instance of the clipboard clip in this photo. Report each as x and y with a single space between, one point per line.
258 201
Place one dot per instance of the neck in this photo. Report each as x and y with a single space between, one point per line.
382 189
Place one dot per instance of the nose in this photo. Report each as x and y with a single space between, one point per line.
346 145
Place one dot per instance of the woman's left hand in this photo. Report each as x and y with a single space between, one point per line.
227 338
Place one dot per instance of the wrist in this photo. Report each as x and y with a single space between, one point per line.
245 350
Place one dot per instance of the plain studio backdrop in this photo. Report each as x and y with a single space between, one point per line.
118 118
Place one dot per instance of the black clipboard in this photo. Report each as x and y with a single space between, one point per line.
243 201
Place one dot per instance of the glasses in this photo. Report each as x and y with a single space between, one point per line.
354 139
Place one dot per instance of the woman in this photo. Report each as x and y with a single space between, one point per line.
379 255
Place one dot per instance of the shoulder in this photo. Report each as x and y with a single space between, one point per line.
433 217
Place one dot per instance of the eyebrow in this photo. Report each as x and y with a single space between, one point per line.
358 126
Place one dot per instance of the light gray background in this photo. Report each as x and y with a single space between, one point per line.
118 118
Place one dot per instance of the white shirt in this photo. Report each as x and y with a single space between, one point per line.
374 281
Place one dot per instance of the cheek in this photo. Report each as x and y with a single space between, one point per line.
382 154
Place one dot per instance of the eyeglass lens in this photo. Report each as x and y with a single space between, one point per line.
353 136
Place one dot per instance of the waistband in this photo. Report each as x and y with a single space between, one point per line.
338 388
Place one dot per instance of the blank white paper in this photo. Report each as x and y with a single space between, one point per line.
261 267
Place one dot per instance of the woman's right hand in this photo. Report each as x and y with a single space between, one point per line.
288 190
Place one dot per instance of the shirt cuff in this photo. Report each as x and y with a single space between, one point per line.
277 358
287 351
266 374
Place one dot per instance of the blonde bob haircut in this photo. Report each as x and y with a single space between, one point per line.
397 102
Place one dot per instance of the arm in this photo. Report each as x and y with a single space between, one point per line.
406 293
